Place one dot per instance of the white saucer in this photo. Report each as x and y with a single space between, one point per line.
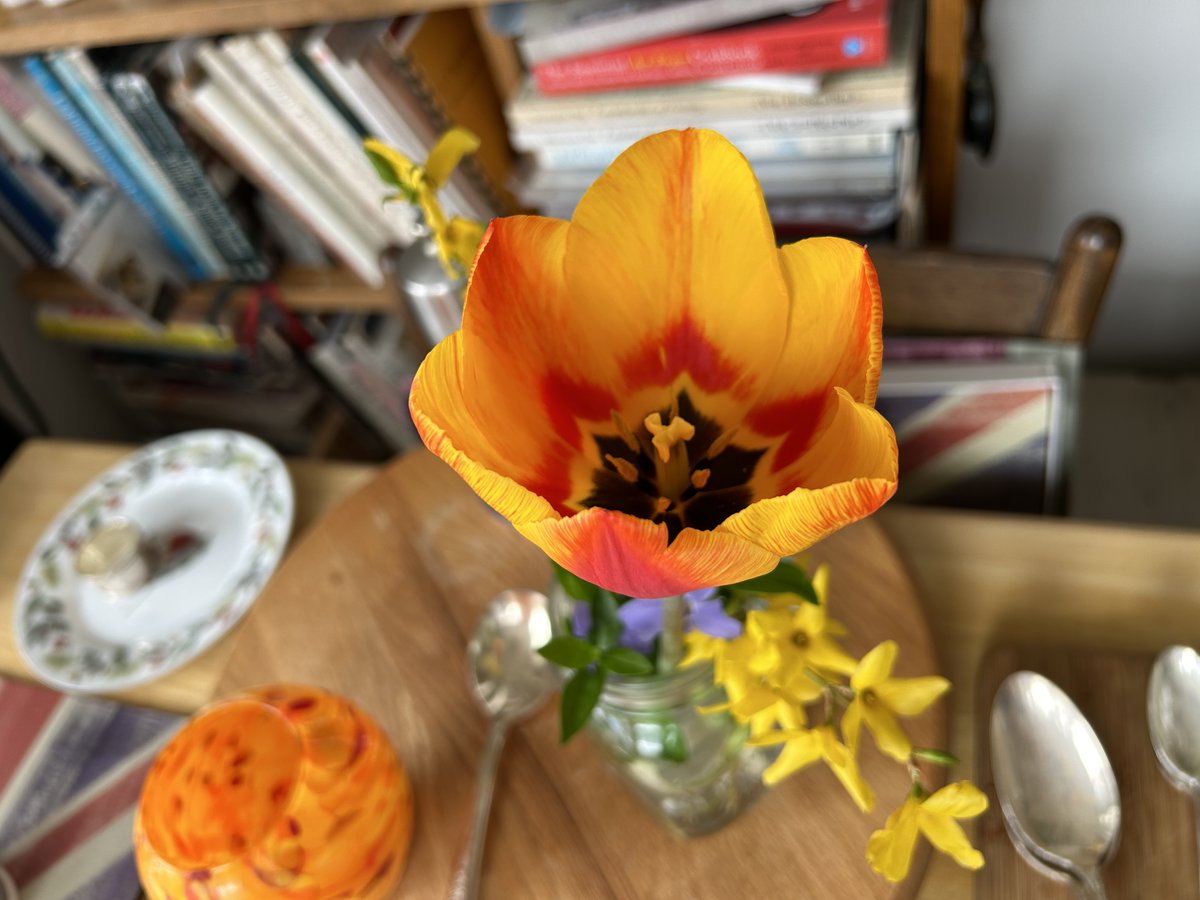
228 489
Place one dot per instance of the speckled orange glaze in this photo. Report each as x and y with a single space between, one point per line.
285 791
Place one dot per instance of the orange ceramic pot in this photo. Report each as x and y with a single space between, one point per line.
285 791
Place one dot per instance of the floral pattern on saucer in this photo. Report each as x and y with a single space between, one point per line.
53 644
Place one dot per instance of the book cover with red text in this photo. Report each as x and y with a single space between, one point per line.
844 34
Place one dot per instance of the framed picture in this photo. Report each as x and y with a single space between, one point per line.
981 423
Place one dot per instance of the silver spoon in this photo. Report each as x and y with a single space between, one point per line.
1056 787
510 681
1173 710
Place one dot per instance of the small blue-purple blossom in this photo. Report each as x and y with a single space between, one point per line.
641 619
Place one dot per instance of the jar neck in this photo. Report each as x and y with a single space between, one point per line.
650 692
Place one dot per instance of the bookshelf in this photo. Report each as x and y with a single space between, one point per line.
98 23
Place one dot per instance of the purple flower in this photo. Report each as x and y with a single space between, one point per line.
641 619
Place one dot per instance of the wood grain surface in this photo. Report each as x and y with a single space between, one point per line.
377 603
1156 856
42 478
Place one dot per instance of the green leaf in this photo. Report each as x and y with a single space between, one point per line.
941 757
606 624
579 698
674 747
786 578
624 661
574 585
383 169
571 652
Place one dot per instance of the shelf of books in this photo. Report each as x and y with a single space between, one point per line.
820 96
199 216
165 159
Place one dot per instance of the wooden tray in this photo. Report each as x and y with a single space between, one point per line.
1157 855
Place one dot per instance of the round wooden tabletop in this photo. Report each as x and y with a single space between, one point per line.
377 602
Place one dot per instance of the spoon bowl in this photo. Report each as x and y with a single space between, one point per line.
1173 711
509 681
1058 794
1173 714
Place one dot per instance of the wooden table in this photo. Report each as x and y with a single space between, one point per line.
983 578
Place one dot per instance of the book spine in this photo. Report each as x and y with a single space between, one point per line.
229 127
791 125
819 146
648 21
226 76
39 120
133 94
57 95
82 80
25 218
788 46
309 132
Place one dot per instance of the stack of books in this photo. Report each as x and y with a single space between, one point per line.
144 170
820 96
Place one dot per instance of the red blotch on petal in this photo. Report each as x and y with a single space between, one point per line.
795 417
566 400
661 359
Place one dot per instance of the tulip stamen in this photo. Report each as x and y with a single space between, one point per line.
723 440
700 478
672 470
624 467
625 432
662 504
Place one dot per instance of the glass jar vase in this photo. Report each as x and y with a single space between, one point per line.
694 770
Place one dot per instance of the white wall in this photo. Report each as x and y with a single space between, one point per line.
1099 110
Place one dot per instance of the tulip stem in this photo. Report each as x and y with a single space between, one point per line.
670 643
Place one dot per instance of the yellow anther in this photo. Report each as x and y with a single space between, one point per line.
661 505
624 467
624 432
666 437
723 440
700 478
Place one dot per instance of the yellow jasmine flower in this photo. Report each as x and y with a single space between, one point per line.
890 849
879 699
457 238
699 647
804 746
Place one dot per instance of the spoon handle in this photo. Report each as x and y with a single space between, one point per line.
1089 885
465 885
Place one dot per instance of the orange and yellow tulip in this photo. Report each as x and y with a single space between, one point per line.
653 392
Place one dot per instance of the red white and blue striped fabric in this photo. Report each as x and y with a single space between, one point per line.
71 770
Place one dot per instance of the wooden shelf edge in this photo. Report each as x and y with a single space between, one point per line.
302 291
92 23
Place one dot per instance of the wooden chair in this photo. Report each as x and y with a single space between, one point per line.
952 293
1049 307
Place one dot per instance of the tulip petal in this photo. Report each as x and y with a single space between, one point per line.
438 410
631 556
673 249
947 835
848 474
875 667
911 696
835 335
962 800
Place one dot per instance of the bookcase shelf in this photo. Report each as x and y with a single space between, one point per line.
95 23
302 291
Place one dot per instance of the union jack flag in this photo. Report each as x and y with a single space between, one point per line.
71 770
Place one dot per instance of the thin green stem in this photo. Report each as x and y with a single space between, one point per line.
670 642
